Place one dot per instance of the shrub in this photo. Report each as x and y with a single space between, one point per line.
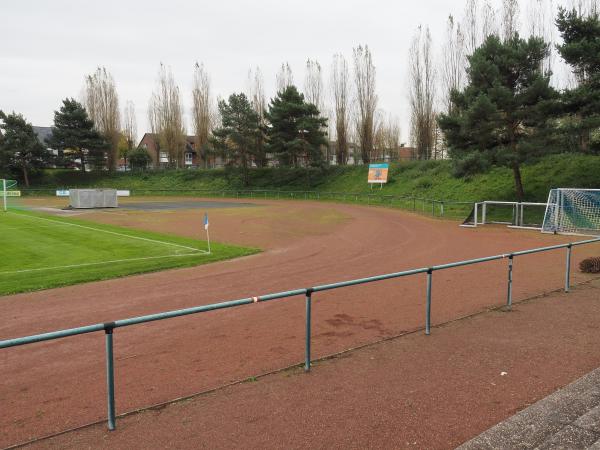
590 265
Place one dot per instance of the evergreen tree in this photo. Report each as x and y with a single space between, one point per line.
139 159
237 137
296 132
74 137
19 147
581 50
501 115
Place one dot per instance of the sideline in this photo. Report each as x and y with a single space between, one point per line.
102 262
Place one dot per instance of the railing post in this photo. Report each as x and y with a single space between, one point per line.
110 375
308 327
414 204
442 209
428 306
568 268
510 280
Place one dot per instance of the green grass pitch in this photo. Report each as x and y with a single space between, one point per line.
41 251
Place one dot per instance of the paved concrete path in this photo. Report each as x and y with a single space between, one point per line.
567 419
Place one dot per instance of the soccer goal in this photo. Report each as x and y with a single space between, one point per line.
573 211
528 215
7 192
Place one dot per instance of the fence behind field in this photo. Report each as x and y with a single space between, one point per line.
434 207
109 327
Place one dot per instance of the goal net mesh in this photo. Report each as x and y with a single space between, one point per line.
573 211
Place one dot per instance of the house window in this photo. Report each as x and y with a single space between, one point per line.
164 158
188 159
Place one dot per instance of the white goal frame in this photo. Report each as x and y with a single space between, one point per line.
6 193
562 222
518 214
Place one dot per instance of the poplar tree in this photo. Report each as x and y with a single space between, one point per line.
581 50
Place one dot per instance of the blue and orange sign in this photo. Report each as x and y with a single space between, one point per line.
378 173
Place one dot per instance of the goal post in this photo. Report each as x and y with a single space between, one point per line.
527 215
7 191
573 211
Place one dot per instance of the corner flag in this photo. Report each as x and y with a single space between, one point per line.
206 229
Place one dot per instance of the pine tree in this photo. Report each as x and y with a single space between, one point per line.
581 50
296 132
20 147
501 114
236 139
74 137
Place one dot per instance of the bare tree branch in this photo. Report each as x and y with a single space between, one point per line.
201 111
366 98
422 94
341 107
285 78
165 114
453 62
102 104
130 125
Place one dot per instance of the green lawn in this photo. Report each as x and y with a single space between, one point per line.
42 251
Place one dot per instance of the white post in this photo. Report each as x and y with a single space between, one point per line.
476 212
484 213
4 194
208 240
522 214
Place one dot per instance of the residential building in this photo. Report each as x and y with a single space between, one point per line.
192 157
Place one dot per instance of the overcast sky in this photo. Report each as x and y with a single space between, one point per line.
49 46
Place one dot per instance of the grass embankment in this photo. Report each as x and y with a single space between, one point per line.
40 252
429 179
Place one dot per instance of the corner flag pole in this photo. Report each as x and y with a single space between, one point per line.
206 228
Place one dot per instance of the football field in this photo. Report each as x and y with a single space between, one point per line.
42 251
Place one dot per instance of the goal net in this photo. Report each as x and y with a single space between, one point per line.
8 192
573 211
512 214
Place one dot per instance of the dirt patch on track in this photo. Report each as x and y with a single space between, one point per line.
56 385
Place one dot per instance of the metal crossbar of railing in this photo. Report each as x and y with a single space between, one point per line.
109 327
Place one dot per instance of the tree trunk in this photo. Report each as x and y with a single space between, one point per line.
584 141
25 176
518 182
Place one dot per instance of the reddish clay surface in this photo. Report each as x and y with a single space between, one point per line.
52 386
414 392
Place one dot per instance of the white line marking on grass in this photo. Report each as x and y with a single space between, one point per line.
112 232
97 263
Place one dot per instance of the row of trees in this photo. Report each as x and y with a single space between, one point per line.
353 121
75 138
508 111
434 76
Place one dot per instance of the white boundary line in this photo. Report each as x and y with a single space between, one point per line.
96 263
112 232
